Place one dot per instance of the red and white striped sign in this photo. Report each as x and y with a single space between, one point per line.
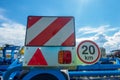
50 31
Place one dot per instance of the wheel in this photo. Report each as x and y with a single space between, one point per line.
44 77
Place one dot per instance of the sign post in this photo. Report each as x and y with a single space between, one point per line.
88 52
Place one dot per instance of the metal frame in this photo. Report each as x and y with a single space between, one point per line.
12 70
103 68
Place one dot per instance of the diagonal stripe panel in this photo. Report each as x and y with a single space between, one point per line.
38 27
62 35
49 32
32 20
69 40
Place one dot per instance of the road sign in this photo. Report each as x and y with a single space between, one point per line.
88 52
50 31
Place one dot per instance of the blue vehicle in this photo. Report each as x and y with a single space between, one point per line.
105 69
8 58
50 52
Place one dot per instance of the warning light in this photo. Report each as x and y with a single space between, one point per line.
64 57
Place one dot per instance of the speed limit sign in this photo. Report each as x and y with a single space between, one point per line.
88 52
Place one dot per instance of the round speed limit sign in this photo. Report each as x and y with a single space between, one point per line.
88 52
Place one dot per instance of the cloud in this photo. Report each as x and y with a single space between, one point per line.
100 39
78 40
101 36
11 32
113 42
101 29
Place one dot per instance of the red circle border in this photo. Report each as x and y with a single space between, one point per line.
99 53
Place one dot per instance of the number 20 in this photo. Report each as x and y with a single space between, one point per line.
91 49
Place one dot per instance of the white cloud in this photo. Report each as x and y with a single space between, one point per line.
113 42
78 40
101 38
3 19
11 32
100 29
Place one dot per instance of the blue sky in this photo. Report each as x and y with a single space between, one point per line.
86 12
97 20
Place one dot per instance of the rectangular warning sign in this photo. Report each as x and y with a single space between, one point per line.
50 31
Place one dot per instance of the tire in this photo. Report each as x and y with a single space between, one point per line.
44 77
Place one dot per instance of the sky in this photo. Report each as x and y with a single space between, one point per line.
96 20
